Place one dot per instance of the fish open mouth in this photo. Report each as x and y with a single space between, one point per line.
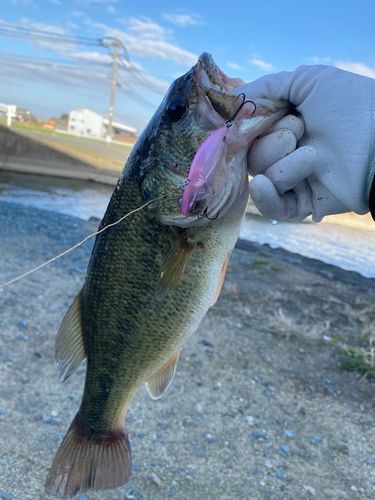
215 182
217 78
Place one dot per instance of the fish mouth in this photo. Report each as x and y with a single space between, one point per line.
216 93
217 78
216 85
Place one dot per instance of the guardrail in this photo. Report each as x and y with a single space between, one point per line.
10 110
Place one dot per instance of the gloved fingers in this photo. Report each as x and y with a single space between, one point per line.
268 201
286 173
304 200
289 122
269 149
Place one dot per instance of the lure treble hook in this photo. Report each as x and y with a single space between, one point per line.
230 121
204 214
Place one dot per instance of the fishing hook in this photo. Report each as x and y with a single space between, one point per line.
204 214
229 122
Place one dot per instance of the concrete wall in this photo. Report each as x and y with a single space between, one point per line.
22 154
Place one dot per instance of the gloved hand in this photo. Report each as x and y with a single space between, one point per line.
332 169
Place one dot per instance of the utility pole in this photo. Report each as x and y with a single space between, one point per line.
113 91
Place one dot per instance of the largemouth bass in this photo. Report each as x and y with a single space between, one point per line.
152 277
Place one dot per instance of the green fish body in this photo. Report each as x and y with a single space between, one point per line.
150 281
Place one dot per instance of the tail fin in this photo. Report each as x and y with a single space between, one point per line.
86 461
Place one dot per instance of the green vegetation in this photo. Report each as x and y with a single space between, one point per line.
259 262
276 268
358 359
23 126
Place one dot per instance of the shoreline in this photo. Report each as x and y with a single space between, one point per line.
260 404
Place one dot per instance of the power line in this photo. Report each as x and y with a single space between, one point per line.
45 35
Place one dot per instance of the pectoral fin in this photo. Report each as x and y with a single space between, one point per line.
69 345
160 382
221 279
173 265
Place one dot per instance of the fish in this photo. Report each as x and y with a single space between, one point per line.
152 277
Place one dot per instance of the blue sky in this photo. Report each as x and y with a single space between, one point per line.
247 40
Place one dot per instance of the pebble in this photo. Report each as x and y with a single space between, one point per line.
154 478
6 496
22 323
207 342
310 489
198 408
56 421
316 439
268 464
250 420
278 473
21 336
54 413
289 434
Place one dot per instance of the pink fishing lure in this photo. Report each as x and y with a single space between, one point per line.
207 175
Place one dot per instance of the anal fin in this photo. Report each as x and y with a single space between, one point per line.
69 345
174 265
160 382
221 279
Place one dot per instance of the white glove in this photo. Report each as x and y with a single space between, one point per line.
332 169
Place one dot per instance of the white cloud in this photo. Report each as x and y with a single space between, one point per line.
320 60
15 2
234 66
148 40
356 67
72 25
135 74
93 57
78 14
146 28
55 46
39 70
255 61
56 2
184 20
111 10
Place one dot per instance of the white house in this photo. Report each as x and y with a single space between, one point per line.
84 121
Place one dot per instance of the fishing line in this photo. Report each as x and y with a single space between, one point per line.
164 195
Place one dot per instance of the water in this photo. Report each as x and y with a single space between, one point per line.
345 247
348 248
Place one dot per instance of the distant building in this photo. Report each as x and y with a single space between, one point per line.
50 125
84 121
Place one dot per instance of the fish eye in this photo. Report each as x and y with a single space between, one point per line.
176 109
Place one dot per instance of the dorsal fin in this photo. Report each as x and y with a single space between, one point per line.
173 265
221 279
160 382
69 345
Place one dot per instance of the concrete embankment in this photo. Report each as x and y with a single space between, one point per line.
32 154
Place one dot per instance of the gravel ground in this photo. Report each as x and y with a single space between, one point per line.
260 407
